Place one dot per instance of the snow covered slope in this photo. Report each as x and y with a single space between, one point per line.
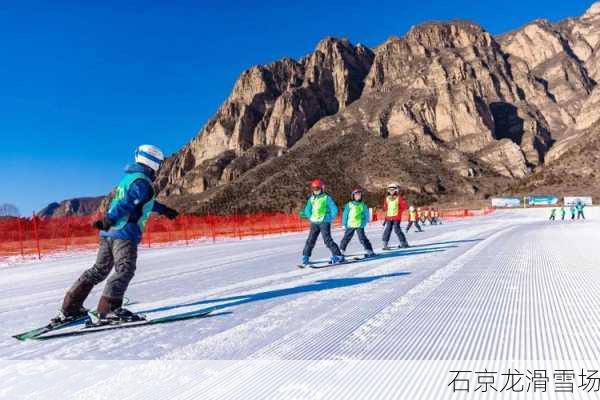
508 286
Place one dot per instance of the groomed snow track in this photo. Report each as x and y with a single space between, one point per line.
506 290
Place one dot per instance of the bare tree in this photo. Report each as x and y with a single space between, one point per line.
9 210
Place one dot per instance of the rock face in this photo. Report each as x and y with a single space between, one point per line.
271 106
448 110
74 207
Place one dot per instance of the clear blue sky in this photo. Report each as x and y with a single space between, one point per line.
82 84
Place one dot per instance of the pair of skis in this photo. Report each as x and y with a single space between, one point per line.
82 326
350 259
325 263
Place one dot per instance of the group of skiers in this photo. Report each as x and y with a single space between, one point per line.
321 211
576 212
134 200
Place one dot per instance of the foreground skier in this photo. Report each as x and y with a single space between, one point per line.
355 219
393 206
321 211
121 232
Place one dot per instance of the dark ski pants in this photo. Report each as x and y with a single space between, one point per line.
349 233
325 230
120 254
415 223
387 232
580 215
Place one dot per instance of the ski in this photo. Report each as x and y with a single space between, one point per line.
86 329
31 334
349 260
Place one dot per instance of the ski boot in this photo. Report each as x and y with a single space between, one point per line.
336 259
404 245
115 317
64 318
386 246
370 254
305 262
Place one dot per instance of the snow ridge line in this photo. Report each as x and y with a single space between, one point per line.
405 304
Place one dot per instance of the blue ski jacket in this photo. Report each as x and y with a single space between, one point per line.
140 192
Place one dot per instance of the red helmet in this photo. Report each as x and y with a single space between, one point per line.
318 183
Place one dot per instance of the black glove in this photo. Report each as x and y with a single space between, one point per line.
103 224
170 213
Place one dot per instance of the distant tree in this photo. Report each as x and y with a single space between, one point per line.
9 210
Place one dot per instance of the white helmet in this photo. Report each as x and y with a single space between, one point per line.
394 185
150 156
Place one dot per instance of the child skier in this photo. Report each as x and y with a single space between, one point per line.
393 206
580 206
573 212
413 219
120 233
553 214
563 212
354 219
321 211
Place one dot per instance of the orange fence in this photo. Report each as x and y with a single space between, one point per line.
444 214
37 236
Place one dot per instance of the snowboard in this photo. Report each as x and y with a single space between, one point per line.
90 328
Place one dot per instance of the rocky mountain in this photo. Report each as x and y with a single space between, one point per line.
449 110
74 207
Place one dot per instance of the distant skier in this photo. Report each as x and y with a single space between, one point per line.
421 215
580 206
355 219
553 214
413 219
321 210
573 212
436 216
120 233
563 213
393 206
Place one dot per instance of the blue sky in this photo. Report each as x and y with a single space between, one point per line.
82 83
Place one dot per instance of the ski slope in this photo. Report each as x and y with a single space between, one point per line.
507 286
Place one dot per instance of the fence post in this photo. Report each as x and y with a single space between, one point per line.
20 220
37 235
211 226
184 218
67 233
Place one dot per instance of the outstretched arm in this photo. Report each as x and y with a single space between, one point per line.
165 210
332 207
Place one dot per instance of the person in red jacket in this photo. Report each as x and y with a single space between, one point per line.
393 206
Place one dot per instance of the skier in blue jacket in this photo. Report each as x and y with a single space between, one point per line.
354 219
120 233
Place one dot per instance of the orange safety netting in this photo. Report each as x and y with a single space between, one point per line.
37 236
